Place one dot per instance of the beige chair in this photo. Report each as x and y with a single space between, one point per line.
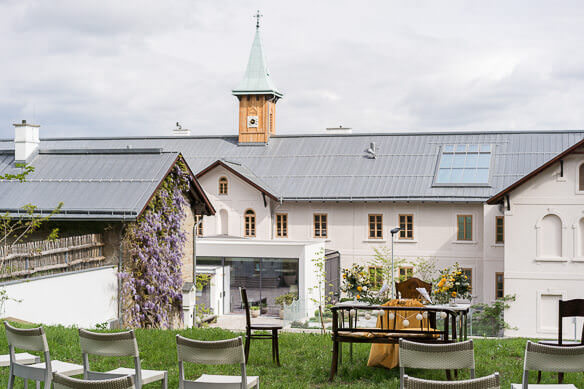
221 352
118 344
63 382
449 356
489 382
34 339
550 358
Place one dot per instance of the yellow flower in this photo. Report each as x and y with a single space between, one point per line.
453 294
344 276
359 288
358 297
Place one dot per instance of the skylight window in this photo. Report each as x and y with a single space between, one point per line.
464 164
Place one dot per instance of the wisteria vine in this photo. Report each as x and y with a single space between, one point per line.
151 277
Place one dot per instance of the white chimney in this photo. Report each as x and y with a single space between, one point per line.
26 140
179 131
340 130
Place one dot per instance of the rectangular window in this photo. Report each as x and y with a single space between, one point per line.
376 277
464 227
467 271
499 285
405 273
375 227
464 164
406 223
500 229
200 228
282 225
320 225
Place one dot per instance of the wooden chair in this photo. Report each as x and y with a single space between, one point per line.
566 308
249 328
407 288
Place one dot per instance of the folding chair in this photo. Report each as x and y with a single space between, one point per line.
63 382
118 344
34 339
220 352
449 356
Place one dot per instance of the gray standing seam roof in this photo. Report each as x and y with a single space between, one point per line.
105 186
338 168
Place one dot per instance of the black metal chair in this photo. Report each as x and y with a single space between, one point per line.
566 308
250 328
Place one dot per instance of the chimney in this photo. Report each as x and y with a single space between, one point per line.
26 140
340 130
179 131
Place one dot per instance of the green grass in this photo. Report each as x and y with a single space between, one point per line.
305 358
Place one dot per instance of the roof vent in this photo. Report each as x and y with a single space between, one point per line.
179 131
340 130
26 140
372 151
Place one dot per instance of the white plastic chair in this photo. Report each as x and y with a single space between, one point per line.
220 352
34 339
22 358
63 382
489 382
449 356
543 357
118 344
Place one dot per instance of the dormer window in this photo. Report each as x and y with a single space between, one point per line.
223 186
464 165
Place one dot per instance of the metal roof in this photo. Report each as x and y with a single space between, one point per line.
257 76
338 168
105 184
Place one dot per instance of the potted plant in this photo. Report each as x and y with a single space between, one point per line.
255 311
285 299
452 284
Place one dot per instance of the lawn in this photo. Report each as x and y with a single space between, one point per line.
305 360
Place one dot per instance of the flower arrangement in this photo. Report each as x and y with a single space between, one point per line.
452 283
356 282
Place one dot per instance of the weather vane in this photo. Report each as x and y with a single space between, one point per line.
258 15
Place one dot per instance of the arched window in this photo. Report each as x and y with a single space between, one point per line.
223 186
250 223
581 178
551 236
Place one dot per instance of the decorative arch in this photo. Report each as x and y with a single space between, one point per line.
223 185
550 236
223 222
249 223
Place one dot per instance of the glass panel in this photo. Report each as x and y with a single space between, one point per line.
446 161
482 176
460 228
459 160
448 148
456 175
471 161
443 176
473 148
485 148
484 160
279 276
469 175
468 228
460 148
244 272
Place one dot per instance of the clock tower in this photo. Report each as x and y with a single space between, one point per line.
257 96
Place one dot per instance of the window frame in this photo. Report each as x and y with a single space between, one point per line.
464 239
376 278
200 229
406 215
249 226
282 231
502 240
580 180
320 223
407 269
223 181
377 225
502 274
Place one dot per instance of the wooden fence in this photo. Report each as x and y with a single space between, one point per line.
50 257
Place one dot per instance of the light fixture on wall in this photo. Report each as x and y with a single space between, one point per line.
393 232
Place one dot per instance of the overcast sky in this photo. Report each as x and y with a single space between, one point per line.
113 68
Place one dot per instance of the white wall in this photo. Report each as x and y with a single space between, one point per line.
83 299
537 278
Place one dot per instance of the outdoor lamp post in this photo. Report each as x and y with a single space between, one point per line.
393 232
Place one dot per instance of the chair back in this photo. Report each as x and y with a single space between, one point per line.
31 339
543 357
407 288
436 356
489 382
118 344
63 382
219 352
243 293
570 308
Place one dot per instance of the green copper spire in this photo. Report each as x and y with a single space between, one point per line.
256 80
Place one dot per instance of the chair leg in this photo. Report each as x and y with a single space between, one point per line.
277 344
10 381
560 378
247 342
335 360
164 384
448 375
273 348
539 376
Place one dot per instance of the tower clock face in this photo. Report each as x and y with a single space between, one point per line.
252 122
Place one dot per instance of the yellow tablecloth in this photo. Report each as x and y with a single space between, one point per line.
387 355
